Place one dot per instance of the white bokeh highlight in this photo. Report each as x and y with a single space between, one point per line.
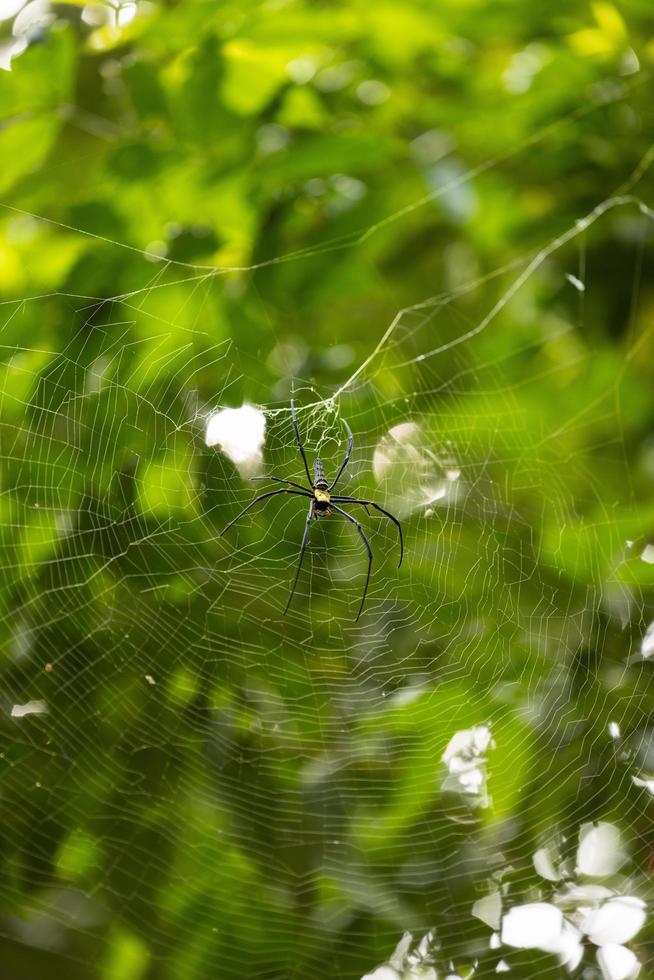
648 554
536 925
600 852
580 914
647 642
414 475
30 708
240 434
617 921
465 758
617 963
489 910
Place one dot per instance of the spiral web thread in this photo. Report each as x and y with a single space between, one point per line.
225 738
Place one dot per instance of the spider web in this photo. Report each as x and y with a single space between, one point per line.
259 795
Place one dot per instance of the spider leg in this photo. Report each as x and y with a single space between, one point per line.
303 546
262 496
366 543
348 453
371 503
299 443
276 479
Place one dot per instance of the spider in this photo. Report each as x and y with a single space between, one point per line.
323 504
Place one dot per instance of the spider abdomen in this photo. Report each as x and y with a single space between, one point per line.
319 478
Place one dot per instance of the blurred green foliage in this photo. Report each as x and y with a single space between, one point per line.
208 203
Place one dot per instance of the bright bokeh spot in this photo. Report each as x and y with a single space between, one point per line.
617 921
240 434
32 17
416 474
30 708
600 850
617 963
535 925
9 8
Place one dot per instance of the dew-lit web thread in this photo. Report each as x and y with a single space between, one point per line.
619 93
117 639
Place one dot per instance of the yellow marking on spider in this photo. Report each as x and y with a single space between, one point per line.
322 496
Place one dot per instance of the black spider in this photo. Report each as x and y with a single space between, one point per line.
323 503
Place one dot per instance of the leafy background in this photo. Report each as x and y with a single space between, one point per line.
204 204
